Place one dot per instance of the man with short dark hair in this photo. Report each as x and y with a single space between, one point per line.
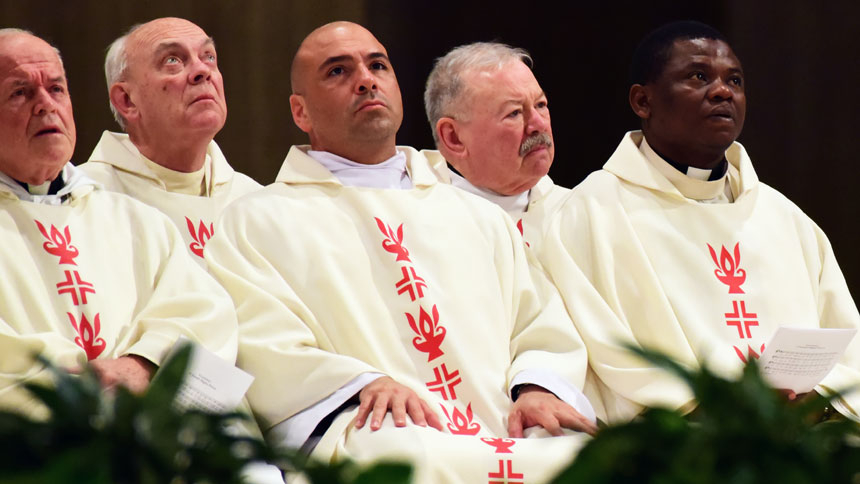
167 93
381 311
89 276
692 253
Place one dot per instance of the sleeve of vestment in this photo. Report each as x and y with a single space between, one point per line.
543 337
578 253
838 310
281 342
182 299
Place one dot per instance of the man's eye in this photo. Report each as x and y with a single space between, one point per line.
172 60
210 57
541 105
737 81
58 89
335 71
514 113
699 76
379 66
17 92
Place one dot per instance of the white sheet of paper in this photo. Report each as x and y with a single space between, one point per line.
799 358
211 383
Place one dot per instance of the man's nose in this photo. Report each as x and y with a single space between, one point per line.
537 122
366 81
200 71
720 91
44 103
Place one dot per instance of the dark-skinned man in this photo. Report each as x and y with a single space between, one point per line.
384 314
692 253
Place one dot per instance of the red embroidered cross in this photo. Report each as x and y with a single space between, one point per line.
445 381
411 282
509 477
743 318
503 446
75 287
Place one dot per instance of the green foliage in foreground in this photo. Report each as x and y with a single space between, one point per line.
143 439
742 432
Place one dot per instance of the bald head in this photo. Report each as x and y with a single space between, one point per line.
345 93
320 39
167 91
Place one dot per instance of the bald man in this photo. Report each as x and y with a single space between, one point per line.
82 282
167 93
384 314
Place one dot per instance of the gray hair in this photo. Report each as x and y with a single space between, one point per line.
11 31
445 83
116 63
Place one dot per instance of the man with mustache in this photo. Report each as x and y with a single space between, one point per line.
491 123
385 314
692 253
167 93
83 282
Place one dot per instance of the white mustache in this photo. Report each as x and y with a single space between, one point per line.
535 140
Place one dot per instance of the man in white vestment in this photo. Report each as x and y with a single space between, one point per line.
491 123
385 314
692 253
167 93
89 276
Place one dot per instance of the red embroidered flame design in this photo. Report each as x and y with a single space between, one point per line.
461 424
503 446
59 243
88 336
394 241
728 269
430 333
752 353
201 235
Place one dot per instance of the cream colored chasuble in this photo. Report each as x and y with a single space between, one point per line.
430 286
704 282
91 274
192 200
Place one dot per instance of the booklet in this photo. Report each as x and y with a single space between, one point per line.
210 383
797 359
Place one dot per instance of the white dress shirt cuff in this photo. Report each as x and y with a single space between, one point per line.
295 431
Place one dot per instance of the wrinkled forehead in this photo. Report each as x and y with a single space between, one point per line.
19 53
150 37
510 80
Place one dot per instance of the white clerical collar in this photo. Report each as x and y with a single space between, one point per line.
695 184
72 178
513 204
390 174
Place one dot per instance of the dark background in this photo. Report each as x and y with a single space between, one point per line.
802 63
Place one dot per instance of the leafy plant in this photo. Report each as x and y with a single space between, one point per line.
91 438
743 431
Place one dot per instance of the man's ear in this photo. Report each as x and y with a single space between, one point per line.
300 114
450 144
122 102
640 100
